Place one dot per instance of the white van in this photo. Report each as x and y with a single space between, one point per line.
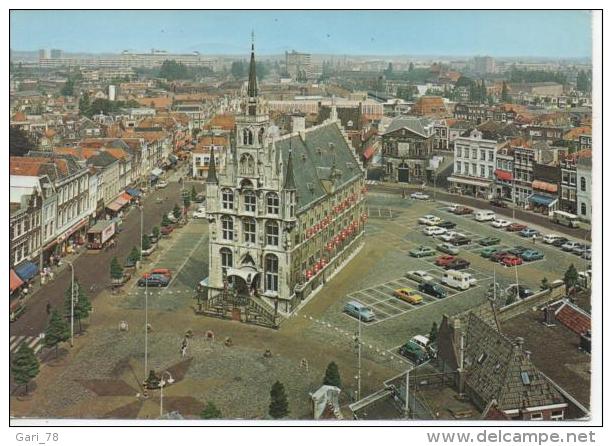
458 279
484 215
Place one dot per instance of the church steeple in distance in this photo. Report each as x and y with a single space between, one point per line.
212 169
252 88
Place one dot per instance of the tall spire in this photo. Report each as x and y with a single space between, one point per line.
252 90
289 177
212 169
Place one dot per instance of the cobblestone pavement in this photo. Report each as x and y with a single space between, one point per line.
238 378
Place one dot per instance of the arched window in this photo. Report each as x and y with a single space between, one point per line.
260 135
272 233
583 208
249 230
227 227
271 265
227 198
227 259
250 201
247 164
272 203
583 184
247 137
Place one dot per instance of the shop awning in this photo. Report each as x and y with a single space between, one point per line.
543 185
117 204
157 172
14 280
367 153
127 197
133 192
470 181
503 175
26 271
542 200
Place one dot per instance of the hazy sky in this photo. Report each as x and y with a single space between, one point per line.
511 33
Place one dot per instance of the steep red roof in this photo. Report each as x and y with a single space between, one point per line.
574 318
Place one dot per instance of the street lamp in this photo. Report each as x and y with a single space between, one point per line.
71 303
162 383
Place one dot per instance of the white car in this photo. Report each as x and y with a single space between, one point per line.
171 217
450 235
421 276
419 196
499 223
200 213
429 220
550 238
433 230
161 184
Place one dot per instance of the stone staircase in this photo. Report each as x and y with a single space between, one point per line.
251 309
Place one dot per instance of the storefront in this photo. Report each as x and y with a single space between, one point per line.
115 207
26 271
472 186
544 198
15 282
72 238
504 184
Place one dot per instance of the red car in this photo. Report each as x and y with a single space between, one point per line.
515 227
463 210
166 230
444 260
162 271
511 260
498 256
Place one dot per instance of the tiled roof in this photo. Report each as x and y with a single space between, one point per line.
225 122
574 318
498 369
19 117
55 166
314 159
158 102
416 125
574 134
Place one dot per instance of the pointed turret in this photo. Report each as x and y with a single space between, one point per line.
289 177
212 169
252 89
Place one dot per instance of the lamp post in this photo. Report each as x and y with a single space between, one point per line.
71 303
162 383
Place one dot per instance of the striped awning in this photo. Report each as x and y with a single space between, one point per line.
14 280
543 185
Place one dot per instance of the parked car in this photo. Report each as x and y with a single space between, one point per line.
419 196
422 251
531 255
148 252
166 230
446 224
511 260
408 295
484 215
580 249
119 282
488 241
517 250
171 217
570 245
549 239
448 248
528 232
498 202
129 263
516 227
497 256
523 291
420 340
433 230
444 260
458 264
463 210
450 235
163 272
359 311
559 242
161 184
488 252
429 220
413 352
153 238
458 279
419 276
432 289
199 213
461 241
156 280
500 223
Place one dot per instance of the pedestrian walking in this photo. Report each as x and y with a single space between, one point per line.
48 308
533 238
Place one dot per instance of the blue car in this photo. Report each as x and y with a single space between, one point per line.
153 280
531 255
528 232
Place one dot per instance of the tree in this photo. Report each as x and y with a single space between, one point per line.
82 305
155 231
84 104
152 381
210 412
544 285
570 278
24 366
146 242
279 406
411 67
68 88
57 331
176 211
433 333
116 270
261 69
187 200
194 193
173 70
583 82
332 375
134 254
165 221
238 69
19 142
